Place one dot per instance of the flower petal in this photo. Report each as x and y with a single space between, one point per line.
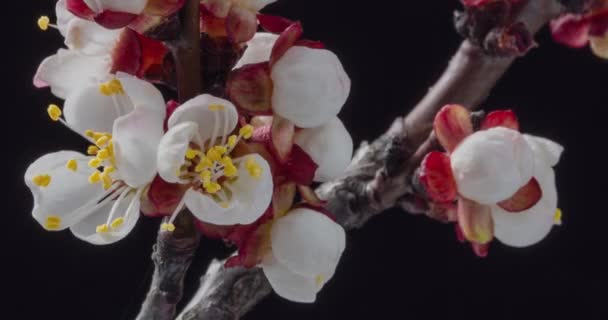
437 178
501 118
130 6
287 284
330 146
64 16
143 94
251 197
525 198
198 111
250 87
531 226
67 191
241 24
545 149
88 109
69 70
308 242
172 151
90 38
310 86
136 137
491 165
452 125
258 49
571 30
86 229
475 221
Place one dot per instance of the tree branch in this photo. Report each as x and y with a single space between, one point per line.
173 251
380 174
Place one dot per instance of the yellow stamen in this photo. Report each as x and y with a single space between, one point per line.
117 223
205 163
107 180
95 163
213 187
225 205
255 170
52 222
103 154
108 170
72 165
232 141
43 23
191 154
319 280
229 169
95 177
54 112
557 218
92 150
42 180
102 141
246 131
90 133
105 89
116 86
216 107
221 150
167 227
213 155
103 228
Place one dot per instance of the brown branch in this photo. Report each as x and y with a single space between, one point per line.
380 174
173 251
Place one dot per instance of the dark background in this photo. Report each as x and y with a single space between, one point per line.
399 266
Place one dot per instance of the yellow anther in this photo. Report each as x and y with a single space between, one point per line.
255 170
213 187
225 204
205 163
95 177
102 228
52 223
117 223
206 176
107 180
116 86
95 163
92 150
42 180
191 154
103 154
229 169
557 218
89 133
246 131
102 141
167 227
319 280
232 141
54 112
213 155
105 89
221 150
72 165
43 23
216 107
109 169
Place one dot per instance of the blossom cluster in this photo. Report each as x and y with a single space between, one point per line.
242 162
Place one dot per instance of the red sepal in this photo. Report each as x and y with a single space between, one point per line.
127 53
273 24
310 44
475 221
525 198
437 178
162 198
452 124
241 24
80 9
250 88
501 118
286 40
571 30
114 20
299 167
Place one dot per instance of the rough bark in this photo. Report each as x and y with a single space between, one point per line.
379 177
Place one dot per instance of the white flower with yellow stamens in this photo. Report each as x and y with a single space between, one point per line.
98 196
197 151
87 59
306 247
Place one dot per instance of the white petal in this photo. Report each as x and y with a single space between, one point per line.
172 150
258 49
491 165
330 147
143 94
549 151
250 198
531 226
69 70
90 38
86 230
287 284
64 17
136 137
308 242
197 110
310 86
88 109
68 190
128 6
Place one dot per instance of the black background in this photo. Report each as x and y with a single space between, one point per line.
397 267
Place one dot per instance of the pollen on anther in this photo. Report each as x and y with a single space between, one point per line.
167 227
557 218
43 23
95 177
54 112
246 131
42 180
92 150
117 223
102 141
72 165
104 228
95 163
52 222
